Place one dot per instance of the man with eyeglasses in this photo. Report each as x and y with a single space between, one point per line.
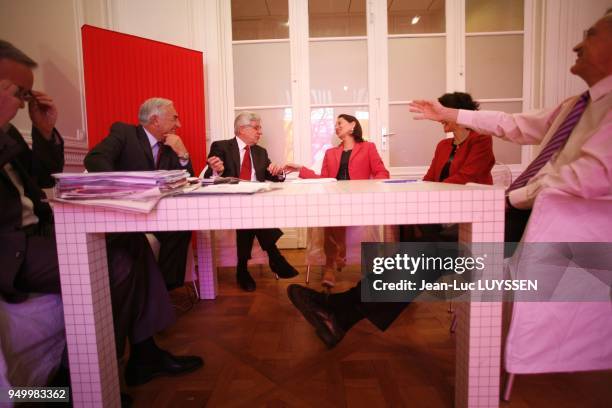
28 254
242 157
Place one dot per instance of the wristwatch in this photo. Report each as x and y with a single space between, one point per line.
184 156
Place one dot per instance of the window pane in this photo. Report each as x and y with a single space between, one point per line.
494 66
505 152
338 72
416 17
261 74
334 18
414 141
493 15
277 138
323 130
259 19
422 77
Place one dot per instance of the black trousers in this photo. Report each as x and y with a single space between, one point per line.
173 248
244 241
140 302
382 314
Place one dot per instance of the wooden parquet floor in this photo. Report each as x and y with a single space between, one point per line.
260 352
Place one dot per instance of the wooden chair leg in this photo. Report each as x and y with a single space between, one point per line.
508 389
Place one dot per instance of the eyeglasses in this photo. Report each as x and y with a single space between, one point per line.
255 128
25 95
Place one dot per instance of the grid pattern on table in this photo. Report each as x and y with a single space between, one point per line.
307 210
478 366
93 362
207 278
479 212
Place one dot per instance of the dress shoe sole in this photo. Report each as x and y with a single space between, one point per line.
321 328
145 379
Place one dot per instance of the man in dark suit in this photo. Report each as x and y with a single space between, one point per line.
151 145
28 254
242 157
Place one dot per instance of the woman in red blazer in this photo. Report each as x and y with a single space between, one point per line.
466 158
352 159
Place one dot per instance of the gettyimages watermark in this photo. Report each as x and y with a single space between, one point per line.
440 271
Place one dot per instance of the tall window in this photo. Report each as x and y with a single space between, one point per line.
261 60
494 62
338 69
417 70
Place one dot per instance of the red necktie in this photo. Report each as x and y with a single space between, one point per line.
245 169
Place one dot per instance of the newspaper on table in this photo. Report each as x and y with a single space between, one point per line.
138 191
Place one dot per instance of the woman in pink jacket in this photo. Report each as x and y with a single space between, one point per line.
352 159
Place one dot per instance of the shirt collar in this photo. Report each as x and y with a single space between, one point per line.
152 140
241 144
601 88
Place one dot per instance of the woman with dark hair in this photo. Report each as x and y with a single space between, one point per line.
352 159
467 157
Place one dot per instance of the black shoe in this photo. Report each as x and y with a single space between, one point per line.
313 306
126 400
245 281
282 268
164 364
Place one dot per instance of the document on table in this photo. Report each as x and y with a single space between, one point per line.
240 188
314 181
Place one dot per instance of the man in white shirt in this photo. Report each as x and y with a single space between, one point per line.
580 165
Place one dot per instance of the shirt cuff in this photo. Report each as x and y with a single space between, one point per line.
184 162
518 199
465 118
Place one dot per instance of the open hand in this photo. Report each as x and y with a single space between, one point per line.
275 169
431 110
291 167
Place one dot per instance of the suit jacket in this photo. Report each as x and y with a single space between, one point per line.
34 167
127 148
473 160
364 163
227 151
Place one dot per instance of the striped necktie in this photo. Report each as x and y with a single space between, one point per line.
158 155
554 144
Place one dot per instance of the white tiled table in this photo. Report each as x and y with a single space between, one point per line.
85 289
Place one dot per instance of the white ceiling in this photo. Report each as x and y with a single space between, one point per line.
258 8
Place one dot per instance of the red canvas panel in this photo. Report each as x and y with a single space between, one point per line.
122 71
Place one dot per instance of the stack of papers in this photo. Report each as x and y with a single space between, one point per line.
133 190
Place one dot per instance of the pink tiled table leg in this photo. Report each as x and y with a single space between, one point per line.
88 318
207 273
478 359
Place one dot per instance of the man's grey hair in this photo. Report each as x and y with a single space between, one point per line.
150 107
245 118
9 51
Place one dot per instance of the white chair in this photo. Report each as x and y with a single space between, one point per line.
562 336
32 340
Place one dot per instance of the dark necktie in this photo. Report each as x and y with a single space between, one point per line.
245 169
446 169
158 156
554 144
